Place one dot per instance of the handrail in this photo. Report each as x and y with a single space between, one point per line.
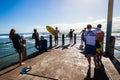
5 43
7 55
29 48
117 49
13 53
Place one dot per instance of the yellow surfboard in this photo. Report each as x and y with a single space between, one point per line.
50 30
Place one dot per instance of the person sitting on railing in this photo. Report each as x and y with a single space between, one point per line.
17 41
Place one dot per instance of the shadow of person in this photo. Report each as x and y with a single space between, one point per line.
88 74
116 63
65 46
9 70
99 73
41 76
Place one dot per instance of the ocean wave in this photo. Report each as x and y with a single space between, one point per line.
4 36
27 36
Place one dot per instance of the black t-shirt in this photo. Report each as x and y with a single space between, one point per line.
16 41
36 36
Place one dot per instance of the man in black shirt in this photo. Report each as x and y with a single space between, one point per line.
35 36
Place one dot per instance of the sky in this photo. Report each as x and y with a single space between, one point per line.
25 15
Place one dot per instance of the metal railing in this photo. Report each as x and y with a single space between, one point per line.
30 48
62 41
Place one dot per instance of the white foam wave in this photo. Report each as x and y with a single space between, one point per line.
27 36
4 37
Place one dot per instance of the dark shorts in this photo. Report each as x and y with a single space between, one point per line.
56 38
89 49
19 49
82 37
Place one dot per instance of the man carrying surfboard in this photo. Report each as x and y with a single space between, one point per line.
54 32
56 36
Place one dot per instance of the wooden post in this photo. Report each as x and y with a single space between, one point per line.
109 26
74 38
112 46
24 48
50 39
63 40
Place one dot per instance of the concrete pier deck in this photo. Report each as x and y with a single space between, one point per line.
63 63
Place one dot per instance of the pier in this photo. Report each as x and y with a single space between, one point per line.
65 62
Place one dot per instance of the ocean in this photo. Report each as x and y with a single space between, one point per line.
8 54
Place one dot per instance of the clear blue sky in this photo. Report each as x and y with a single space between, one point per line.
24 15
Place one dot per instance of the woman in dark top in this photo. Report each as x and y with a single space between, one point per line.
16 40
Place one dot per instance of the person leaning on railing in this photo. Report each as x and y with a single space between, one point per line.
17 40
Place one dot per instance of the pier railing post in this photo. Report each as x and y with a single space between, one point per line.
74 38
109 25
63 40
50 39
112 46
24 48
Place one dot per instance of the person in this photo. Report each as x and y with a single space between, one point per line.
71 35
42 38
56 36
35 36
82 38
99 43
90 47
17 40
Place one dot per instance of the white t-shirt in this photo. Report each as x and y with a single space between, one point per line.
96 31
90 38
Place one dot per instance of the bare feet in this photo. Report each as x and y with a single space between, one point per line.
22 64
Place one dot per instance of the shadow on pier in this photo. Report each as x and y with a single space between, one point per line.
99 74
116 63
16 65
36 75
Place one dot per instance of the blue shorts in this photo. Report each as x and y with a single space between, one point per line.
89 49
